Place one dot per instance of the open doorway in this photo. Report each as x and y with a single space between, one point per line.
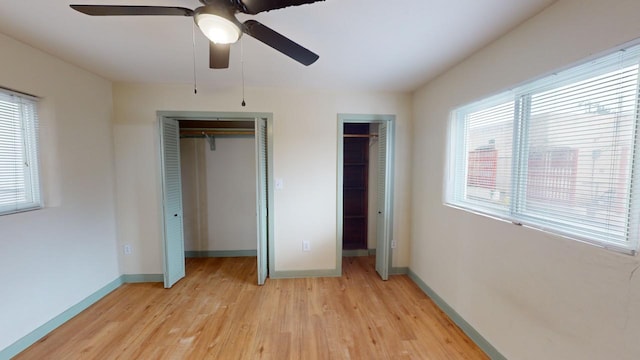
219 203
365 197
359 202
218 171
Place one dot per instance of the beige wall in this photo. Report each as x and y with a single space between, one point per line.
53 258
305 151
219 194
530 294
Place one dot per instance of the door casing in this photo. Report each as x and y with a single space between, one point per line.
389 120
242 116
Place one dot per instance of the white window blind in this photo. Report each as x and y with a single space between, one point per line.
19 181
557 153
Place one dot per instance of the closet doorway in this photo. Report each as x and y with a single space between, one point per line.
222 153
356 235
365 188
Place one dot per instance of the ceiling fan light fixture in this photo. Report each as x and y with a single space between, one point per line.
217 28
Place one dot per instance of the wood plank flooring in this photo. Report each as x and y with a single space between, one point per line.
218 312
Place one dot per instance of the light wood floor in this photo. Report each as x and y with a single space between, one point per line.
218 312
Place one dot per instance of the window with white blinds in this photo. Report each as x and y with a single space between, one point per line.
558 153
19 180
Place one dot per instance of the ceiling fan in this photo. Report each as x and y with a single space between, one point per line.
217 21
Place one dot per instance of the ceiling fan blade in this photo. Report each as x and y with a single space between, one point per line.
219 55
280 42
107 10
257 6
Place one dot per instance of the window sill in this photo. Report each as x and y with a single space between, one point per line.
618 248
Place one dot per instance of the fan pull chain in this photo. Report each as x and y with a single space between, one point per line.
193 43
242 66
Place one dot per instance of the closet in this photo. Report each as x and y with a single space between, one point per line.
218 172
355 186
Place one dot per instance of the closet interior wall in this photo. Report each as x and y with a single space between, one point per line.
218 171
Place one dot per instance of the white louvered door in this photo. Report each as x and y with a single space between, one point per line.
174 268
383 216
262 197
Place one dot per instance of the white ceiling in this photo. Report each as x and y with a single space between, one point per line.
380 45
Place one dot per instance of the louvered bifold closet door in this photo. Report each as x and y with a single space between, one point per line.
382 221
262 195
172 202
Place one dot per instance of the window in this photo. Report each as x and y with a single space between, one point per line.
557 154
19 182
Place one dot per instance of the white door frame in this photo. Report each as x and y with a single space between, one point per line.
239 116
389 120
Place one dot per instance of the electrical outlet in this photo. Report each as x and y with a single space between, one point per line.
394 244
306 246
127 249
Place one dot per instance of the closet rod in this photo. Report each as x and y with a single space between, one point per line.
216 132
361 135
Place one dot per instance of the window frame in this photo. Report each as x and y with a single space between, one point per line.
30 150
455 181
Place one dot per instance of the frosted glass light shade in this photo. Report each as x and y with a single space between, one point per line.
218 29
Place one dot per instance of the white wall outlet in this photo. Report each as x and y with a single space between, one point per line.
279 184
306 246
394 244
127 249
